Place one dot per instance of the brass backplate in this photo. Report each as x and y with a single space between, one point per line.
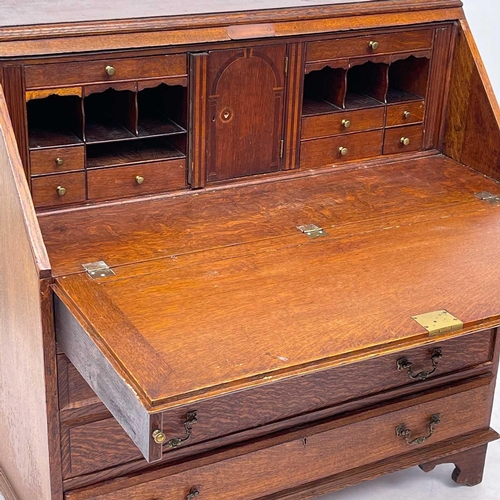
438 322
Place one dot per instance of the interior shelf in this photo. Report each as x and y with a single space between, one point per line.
313 106
131 152
157 125
360 101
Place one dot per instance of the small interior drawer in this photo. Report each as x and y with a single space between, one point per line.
403 139
322 152
405 114
106 70
378 43
56 190
135 180
55 160
309 454
342 122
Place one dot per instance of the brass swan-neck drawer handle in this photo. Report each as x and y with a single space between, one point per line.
193 493
191 419
404 432
405 364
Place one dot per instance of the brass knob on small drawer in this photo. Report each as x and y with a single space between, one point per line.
346 123
110 70
60 190
343 151
405 141
373 45
139 179
59 162
159 437
406 114
193 493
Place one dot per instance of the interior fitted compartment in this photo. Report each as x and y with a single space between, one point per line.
110 116
54 121
408 79
366 85
162 111
324 91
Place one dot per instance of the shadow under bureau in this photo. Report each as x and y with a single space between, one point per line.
245 254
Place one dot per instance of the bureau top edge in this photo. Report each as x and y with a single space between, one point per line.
27 31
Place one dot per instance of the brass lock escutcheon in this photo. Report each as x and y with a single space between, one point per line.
191 419
404 432
343 151
405 364
405 141
60 190
193 493
373 45
59 162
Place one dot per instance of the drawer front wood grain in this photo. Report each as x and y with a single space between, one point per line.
78 73
312 453
55 160
324 152
405 114
122 182
360 46
334 123
394 139
46 189
265 405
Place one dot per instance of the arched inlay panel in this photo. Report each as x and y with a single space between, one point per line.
245 111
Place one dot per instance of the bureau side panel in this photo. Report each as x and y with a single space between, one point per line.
472 122
24 436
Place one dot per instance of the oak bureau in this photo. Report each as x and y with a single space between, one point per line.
245 254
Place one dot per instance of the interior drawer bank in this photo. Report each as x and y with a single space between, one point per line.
299 457
210 417
106 70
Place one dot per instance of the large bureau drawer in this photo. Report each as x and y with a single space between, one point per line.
79 73
89 447
299 457
382 43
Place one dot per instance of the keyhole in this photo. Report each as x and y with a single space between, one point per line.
226 115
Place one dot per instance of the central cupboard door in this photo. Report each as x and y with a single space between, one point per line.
245 111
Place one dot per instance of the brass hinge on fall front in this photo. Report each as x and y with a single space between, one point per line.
282 148
312 230
436 322
98 269
487 196
286 65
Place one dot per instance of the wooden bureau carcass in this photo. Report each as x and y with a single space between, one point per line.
245 254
